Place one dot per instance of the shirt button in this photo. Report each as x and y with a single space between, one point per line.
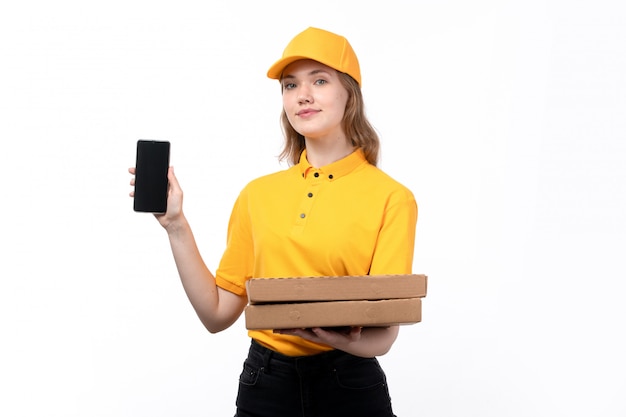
317 174
330 176
310 195
302 215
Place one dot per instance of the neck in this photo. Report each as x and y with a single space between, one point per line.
320 153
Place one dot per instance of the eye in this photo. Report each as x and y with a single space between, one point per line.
288 86
320 82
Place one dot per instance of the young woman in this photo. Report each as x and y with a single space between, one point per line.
331 213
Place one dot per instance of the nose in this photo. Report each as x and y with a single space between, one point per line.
304 95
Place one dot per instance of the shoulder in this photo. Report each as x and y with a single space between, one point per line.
378 179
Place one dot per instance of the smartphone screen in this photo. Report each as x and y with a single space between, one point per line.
153 160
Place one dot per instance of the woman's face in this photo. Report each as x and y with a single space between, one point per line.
314 100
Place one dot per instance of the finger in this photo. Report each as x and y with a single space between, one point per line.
284 331
132 170
318 331
355 331
171 177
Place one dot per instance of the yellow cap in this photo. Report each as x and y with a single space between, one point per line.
322 46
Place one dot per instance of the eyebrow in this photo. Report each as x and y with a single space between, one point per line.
313 72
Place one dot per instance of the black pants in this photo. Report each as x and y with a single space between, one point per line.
329 384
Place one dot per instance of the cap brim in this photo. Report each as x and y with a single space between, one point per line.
279 66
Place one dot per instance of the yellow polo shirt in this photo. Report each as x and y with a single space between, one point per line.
345 218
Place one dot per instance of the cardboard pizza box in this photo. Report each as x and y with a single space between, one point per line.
344 288
364 313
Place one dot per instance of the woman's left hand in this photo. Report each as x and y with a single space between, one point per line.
336 337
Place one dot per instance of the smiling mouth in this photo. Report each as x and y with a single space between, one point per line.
307 112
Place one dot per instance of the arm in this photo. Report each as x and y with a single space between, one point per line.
216 307
366 342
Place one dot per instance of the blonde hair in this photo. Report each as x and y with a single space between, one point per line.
354 124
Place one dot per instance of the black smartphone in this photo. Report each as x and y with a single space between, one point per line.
152 164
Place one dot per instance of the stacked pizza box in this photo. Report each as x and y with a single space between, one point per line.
302 302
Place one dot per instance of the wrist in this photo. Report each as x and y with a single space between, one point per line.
175 226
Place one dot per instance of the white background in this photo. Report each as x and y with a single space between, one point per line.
505 118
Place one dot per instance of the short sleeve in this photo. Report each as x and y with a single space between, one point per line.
237 261
396 241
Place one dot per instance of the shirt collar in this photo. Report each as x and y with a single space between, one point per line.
334 170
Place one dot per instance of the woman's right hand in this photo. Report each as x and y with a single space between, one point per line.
174 211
